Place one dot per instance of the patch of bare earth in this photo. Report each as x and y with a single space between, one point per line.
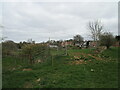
78 60
97 58
28 85
28 69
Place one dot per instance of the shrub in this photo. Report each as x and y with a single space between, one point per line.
8 48
35 50
107 39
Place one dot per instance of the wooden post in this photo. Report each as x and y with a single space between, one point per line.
52 60
30 59
15 61
66 50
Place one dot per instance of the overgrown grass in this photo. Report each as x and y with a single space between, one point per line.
96 74
112 52
87 51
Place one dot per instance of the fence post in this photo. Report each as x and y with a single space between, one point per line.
52 60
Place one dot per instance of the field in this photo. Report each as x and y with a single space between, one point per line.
63 71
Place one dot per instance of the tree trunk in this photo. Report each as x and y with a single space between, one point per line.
30 59
52 60
66 51
108 47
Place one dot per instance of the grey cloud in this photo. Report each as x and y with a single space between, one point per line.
56 20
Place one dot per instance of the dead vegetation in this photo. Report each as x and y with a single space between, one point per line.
28 85
38 61
28 69
83 58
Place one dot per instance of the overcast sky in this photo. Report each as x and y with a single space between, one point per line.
57 20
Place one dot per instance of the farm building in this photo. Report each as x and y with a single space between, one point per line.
66 43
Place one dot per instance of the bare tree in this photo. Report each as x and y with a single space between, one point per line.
30 41
95 29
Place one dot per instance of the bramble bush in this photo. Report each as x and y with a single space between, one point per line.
33 51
